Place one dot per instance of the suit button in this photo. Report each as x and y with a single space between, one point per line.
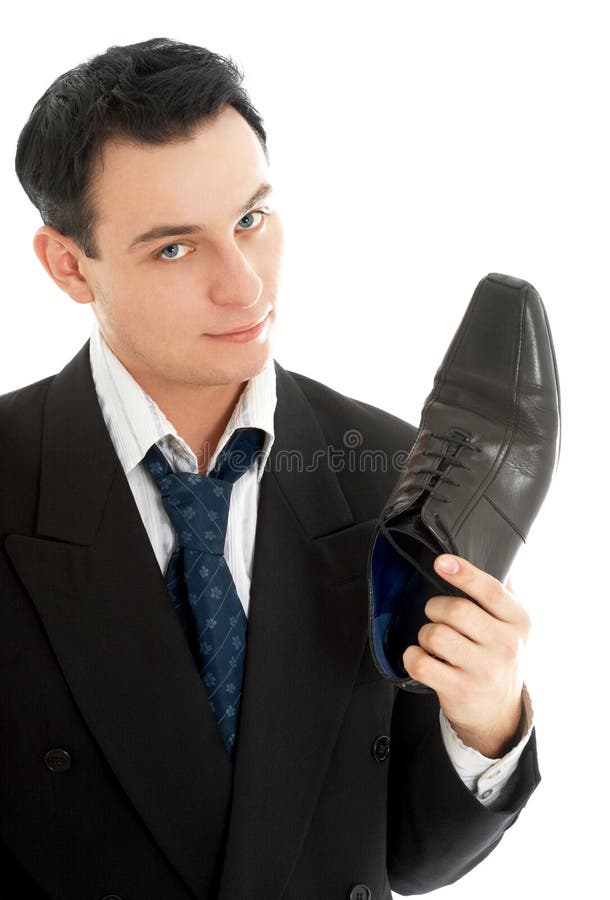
58 760
381 748
359 892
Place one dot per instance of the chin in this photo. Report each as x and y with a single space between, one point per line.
232 368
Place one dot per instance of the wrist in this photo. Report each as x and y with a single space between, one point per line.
495 741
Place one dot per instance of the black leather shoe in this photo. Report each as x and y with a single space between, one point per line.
480 467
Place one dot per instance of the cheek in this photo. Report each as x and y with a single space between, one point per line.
154 297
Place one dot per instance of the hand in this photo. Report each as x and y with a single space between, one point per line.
472 656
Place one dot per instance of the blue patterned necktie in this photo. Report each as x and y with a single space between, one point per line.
198 579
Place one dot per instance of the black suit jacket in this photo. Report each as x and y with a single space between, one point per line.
143 804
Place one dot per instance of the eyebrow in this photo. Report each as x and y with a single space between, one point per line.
161 231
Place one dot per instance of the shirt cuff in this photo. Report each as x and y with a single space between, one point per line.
486 777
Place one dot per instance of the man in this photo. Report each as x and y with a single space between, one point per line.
149 167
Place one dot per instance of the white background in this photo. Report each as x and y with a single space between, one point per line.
417 147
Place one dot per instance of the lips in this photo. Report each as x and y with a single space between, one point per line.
240 330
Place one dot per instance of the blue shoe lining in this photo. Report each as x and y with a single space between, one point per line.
399 593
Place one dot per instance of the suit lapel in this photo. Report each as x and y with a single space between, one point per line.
306 635
102 599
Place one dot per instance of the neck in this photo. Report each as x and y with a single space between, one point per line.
199 415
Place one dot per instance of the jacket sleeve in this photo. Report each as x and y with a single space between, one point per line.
437 829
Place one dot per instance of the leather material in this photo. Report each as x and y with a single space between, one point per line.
482 462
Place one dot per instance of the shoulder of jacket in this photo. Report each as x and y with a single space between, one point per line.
21 413
337 411
21 400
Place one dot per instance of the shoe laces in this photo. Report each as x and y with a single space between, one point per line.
454 441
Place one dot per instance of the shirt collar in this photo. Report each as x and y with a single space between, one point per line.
135 422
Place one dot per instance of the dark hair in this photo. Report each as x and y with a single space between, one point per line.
153 92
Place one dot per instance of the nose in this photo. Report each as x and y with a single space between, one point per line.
234 282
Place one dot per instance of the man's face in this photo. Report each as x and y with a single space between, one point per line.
163 301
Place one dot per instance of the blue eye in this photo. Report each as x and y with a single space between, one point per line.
257 212
173 251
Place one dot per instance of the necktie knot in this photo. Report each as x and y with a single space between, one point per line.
198 505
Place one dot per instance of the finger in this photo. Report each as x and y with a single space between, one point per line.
481 586
464 616
434 673
448 645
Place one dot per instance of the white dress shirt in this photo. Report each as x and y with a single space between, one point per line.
135 422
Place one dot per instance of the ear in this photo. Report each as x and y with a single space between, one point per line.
60 257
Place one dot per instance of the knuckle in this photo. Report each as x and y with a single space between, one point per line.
421 635
436 630
435 635
424 634
497 592
415 665
461 610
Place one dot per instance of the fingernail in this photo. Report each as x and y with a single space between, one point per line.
448 565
